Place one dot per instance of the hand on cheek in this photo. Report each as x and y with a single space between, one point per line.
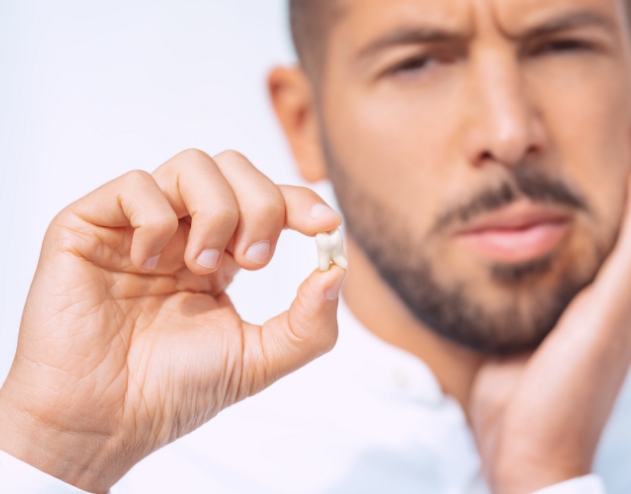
538 420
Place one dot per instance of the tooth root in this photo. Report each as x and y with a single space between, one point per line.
341 261
324 260
331 249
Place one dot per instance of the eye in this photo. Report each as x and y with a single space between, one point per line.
415 64
563 46
419 64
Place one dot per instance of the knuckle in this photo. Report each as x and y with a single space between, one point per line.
59 225
225 216
190 160
269 211
163 225
137 177
61 219
232 156
67 232
193 155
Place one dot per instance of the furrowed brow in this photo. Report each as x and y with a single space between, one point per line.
574 20
409 36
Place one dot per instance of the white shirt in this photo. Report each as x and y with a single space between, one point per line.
367 418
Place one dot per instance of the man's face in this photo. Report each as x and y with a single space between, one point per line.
480 151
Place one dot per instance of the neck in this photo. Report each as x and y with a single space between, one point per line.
380 310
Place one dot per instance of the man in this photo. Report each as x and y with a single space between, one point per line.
480 151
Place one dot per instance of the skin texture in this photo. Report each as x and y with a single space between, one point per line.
121 352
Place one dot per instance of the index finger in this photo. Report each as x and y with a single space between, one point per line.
133 200
307 213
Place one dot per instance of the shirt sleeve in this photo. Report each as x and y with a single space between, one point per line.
17 477
590 484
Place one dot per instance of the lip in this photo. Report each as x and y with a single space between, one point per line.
518 233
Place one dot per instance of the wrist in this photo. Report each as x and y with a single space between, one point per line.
77 458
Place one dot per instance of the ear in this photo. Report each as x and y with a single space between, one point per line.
294 103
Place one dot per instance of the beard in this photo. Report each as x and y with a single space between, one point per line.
529 309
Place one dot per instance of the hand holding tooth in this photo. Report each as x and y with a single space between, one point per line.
128 339
331 250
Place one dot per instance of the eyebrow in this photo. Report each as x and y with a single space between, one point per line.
410 36
427 34
567 22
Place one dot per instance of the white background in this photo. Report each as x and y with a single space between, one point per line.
92 89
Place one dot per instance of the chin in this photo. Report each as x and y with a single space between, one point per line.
528 272
502 309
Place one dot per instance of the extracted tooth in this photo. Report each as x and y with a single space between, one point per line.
331 250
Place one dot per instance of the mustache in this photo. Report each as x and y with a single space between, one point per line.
534 186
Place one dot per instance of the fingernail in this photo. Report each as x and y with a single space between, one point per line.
151 263
320 211
259 253
209 258
333 293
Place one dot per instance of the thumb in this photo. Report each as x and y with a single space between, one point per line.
306 331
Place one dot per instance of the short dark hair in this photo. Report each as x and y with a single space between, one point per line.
310 22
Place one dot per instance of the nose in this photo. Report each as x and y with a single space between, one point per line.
503 126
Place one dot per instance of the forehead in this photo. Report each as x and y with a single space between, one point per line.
365 19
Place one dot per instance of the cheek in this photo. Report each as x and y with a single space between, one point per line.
589 126
397 146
